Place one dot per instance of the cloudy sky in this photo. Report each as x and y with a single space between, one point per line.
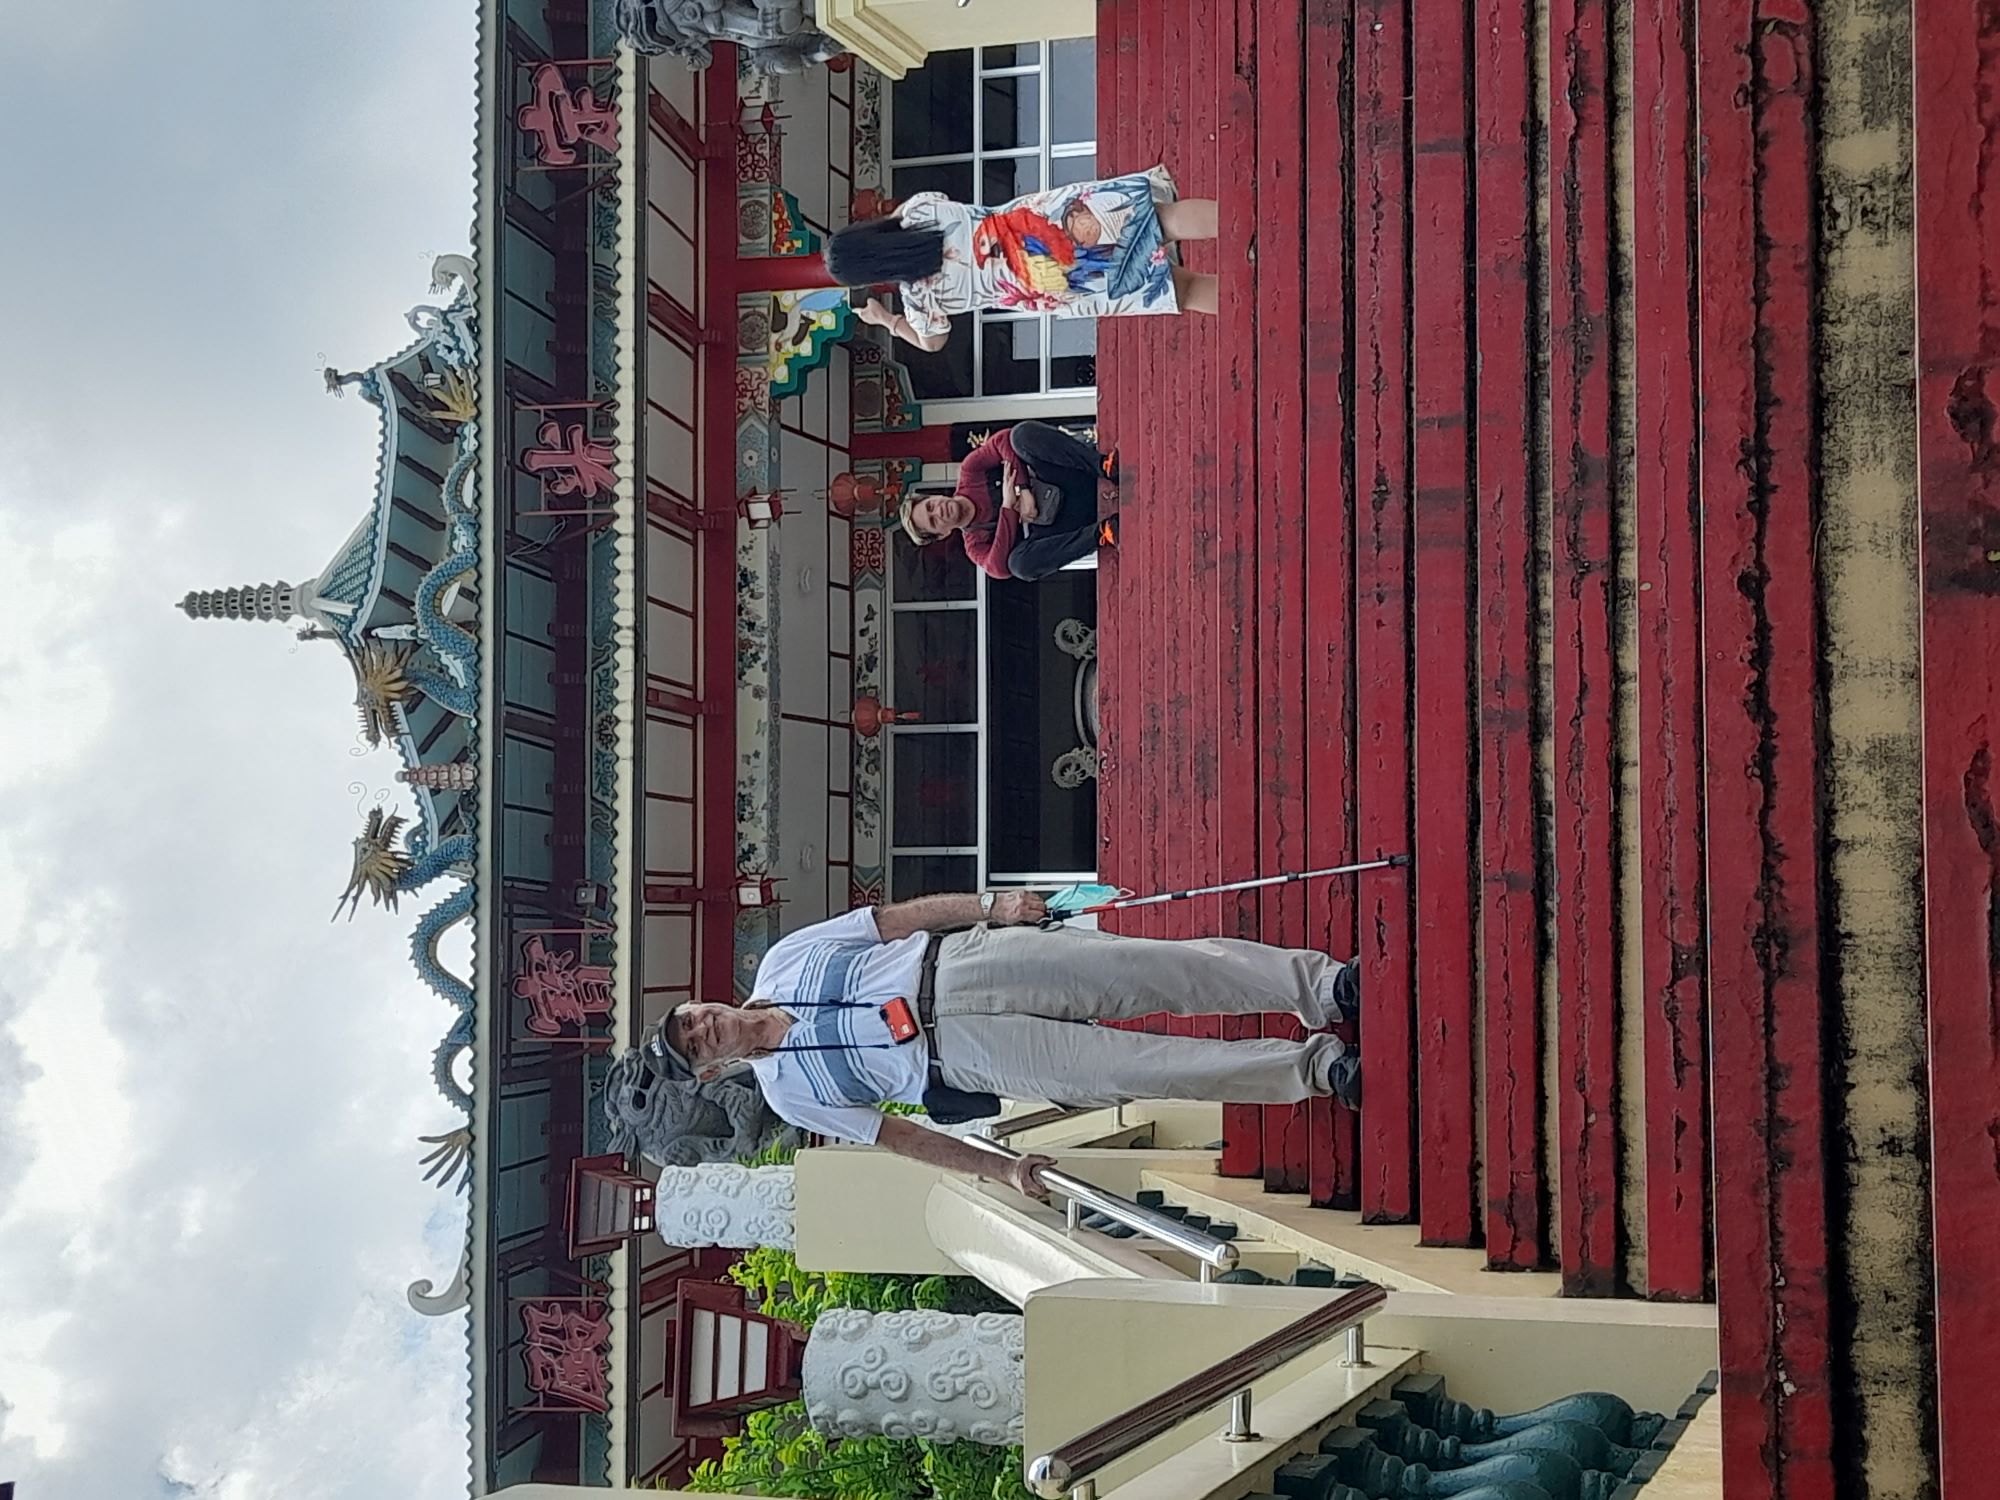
209 1097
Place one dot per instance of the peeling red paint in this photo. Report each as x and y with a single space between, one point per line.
1584 706
1957 92
1382 601
1509 400
1767 1021
1329 541
1441 634
1667 502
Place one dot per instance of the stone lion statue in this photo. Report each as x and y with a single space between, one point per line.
681 1123
776 36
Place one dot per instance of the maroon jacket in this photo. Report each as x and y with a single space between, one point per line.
994 528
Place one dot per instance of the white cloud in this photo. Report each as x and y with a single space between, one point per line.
209 1097
55 698
75 1117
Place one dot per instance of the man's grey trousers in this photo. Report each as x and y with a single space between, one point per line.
1012 1003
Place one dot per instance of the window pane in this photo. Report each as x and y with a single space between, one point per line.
1011 363
939 571
934 779
914 875
936 669
945 375
1017 55
1013 112
1032 822
953 179
1073 90
931 109
1072 353
1064 170
1002 179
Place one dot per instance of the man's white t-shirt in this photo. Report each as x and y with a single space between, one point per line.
835 1092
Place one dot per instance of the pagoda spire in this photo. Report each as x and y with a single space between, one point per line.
260 601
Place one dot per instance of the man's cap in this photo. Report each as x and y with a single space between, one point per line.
664 1055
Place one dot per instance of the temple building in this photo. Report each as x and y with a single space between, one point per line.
1547 502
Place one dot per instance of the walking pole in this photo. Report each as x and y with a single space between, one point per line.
1120 903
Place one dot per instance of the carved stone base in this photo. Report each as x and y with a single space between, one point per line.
729 1207
1074 767
917 1374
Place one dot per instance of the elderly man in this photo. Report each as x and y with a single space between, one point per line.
1027 503
955 1002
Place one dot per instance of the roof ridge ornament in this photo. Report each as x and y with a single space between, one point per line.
251 601
454 1298
447 269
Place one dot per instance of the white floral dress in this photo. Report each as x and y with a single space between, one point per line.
1088 250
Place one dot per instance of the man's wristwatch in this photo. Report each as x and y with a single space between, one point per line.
986 900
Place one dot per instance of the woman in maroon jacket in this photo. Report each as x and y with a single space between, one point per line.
1026 504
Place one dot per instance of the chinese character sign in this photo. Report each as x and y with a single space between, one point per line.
563 119
569 463
565 1354
559 990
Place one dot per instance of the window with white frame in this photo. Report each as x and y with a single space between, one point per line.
972 799
988 125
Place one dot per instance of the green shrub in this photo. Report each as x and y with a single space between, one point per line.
780 1455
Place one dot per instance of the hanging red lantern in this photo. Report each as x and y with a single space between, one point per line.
870 714
850 494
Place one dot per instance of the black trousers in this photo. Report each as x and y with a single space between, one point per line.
1052 456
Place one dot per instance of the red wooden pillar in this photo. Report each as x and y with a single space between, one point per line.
1112 20
1667 500
1167 347
1283 732
1586 813
1199 174
717 613
1329 548
1236 535
930 444
1442 635
1382 605
1755 217
1508 413
1958 394
781 273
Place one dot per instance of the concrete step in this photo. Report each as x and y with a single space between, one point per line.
1387 1254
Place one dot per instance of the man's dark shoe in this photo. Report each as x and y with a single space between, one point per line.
1107 531
1345 1076
1108 466
1343 992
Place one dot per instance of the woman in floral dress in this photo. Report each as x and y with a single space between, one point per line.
1088 250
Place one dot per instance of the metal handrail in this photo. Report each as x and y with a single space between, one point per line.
1213 1254
1073 1466
1055 1114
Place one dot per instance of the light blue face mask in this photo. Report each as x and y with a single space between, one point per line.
1072 899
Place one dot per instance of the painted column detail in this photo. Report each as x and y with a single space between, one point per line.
917 1373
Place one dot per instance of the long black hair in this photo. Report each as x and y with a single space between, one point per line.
880 250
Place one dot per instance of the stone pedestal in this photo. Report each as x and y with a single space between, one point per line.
728 1207
922 1374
